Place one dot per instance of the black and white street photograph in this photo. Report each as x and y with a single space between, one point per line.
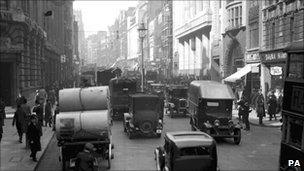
152 85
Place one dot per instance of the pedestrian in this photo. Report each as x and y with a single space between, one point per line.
260 107
245 113
26 108
34 133
20 121
241 103
272 105
38 109
48 113
279 102
2 116
54 118
85 158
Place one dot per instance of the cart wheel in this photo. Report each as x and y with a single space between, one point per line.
109 157
237 139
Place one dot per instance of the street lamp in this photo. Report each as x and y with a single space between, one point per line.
142 33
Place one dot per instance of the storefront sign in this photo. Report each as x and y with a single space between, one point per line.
255 69
275 56
252 57
276 70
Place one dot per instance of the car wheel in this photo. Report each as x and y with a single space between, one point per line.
237 140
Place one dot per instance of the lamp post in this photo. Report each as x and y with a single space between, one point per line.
142 33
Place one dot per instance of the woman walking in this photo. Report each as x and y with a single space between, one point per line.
34 133
260 108
272 106
20 121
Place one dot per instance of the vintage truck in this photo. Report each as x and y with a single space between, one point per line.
84 117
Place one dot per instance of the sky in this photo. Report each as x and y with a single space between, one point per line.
98 15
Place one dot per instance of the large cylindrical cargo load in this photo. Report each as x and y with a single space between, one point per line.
83 125
83 99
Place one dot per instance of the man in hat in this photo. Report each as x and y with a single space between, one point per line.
85 159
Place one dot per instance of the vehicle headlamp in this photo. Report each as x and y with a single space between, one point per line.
216 122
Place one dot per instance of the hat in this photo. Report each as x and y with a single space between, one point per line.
89 146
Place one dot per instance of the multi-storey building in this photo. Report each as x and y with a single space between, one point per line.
234 37
33 37
95 45
282 28
81 37
191 30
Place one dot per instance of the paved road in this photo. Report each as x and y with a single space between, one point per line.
259 149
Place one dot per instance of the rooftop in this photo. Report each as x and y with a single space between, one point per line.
190 138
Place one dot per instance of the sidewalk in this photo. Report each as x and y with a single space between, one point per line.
254 120
14 156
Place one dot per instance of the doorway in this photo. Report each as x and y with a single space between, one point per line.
6 81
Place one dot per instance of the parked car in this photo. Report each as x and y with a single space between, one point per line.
145 115
177 100
210 107
187 151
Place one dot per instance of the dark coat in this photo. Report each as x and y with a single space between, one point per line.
34 133
84 161
260 107
48 112
272 104
39 112
20 119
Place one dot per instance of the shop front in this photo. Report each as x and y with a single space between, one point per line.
273 66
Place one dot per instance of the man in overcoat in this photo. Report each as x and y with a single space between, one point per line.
260 107
34 132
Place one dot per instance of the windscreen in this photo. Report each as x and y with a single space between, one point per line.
218 108
181 93
146 104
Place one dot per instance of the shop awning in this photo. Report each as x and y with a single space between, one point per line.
239 74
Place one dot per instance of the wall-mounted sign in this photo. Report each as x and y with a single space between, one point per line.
275 56
252 57
255 69
276 70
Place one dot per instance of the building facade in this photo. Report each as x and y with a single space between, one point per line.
82 47
32 44
282 27
191 30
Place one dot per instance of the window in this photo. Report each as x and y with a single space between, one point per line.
273 35
291 28
194 151
254 35
216 59
296 65
4 4
235 16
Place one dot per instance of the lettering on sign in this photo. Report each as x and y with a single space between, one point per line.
275 56
252 57
294 163
297 99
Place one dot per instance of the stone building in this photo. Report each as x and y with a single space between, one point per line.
33 37
191 30
282 28
234 37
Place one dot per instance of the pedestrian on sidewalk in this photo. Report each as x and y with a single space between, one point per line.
246 110
48 113
241 103
20 121
2 116
38 109
55 114
26 108
34 133
260 107
272 105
